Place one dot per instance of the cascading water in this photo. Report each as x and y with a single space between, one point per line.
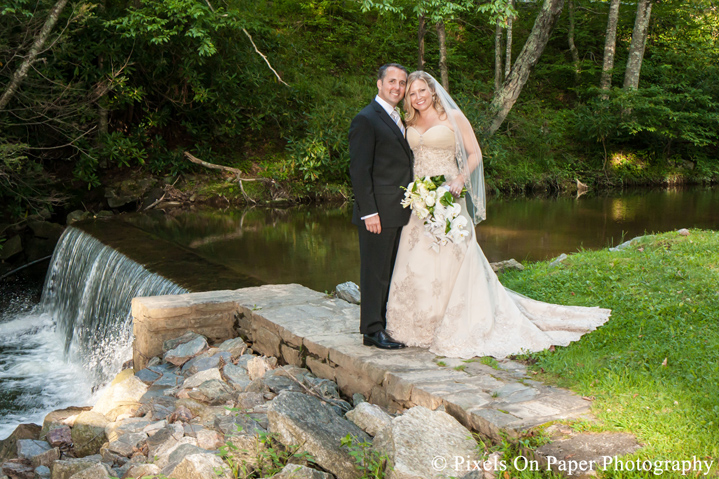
77 338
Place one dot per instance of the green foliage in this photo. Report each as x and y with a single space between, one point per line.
368 461
267 459
654 367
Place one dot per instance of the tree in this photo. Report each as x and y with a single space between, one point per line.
639 41
505 98
508 46
610 45
30 58
570 40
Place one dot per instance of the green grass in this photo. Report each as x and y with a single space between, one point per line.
653 369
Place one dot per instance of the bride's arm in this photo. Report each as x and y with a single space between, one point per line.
471 146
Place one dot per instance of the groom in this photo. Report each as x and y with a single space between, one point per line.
381 162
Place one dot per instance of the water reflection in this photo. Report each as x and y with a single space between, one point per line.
317 246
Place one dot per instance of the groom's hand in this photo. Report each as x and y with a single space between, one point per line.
373 224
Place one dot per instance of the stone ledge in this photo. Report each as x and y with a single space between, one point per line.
305 328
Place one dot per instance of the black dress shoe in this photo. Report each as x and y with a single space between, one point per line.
381 340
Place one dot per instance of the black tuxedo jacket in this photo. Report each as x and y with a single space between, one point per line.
381 162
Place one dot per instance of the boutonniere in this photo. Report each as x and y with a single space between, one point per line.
400 112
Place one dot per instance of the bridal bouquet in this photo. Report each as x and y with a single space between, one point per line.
433 203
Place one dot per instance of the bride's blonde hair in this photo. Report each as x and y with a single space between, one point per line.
429 81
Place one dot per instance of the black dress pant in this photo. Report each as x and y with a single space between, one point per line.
377 255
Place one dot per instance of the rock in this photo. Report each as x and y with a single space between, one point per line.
163 453
175 454
147 376
109 457
202 376
59 437
419 434
239 424
244 359
42 472
249 400
11 247
96 471
236 347
303 420
124 393
75 216
142 470
125 445
683 232
280 381
584 447
66 468
209 439
237 376
200 364
357 399
369 417
181 414
171 433
259 365
196 466
88 433
626 244
296 471
8 446
115 430
325 387
18 469
213 392
39 453
127 192
510 264
247 451
185 338
104 214
186 351
558 260
349 291
46 229
60 418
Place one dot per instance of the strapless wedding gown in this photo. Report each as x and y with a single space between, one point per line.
451 301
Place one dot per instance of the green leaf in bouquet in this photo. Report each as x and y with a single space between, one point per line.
446 199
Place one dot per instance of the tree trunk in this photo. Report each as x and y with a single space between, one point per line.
21 72
442 35
639 41
498 57
505 98
421 32
610 47
508 48
572 46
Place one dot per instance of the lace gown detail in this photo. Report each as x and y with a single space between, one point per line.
451 301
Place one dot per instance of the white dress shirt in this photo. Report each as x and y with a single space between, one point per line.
397 119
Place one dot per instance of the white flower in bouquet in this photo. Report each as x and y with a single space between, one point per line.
435 205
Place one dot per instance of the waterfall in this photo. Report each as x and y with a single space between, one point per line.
78 337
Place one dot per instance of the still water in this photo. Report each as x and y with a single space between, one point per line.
317 246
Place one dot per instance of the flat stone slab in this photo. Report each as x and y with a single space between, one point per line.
313 330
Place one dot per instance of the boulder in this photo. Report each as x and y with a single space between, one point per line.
304 421
236 347
175 342
66 468
114 430
239 424
170 454
249 400
42 472
59 437
126 444
213 392
88 433
96 471
39 453
8 446
60 418
369 417
203 465
11 247
247 452
349 291
209 439
46 229
259 365
236 376
200 377
510 264
142 470
186 351
123 395
198 364
18 469
419 434
75 216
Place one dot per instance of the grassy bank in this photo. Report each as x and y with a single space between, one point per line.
653 369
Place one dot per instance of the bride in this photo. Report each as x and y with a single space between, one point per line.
450 300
